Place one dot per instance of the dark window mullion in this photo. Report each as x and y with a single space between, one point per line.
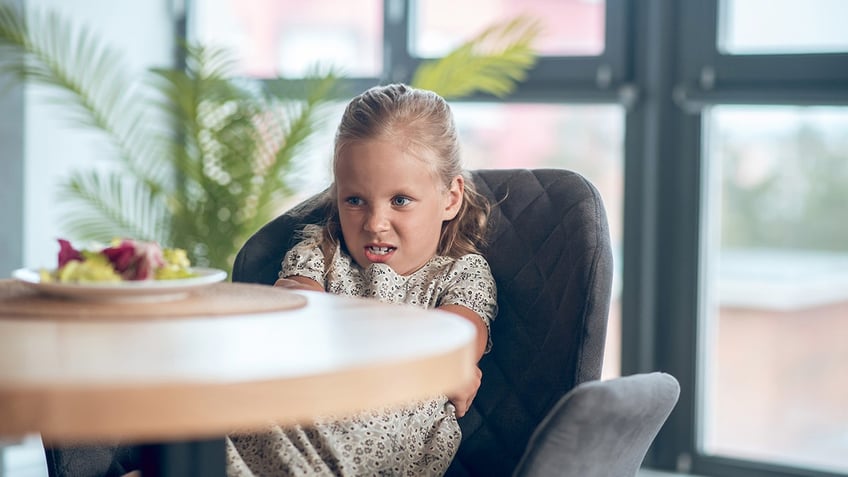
398 65
783 68
661 153
618 32
808 94
695 32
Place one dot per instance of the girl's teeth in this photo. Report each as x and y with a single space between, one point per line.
379 250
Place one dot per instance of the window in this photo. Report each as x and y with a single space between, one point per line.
816 26
288 37
777 286
570 27
762 108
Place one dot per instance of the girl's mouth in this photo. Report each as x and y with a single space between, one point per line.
377 254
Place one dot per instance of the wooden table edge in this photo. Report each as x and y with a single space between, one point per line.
197 410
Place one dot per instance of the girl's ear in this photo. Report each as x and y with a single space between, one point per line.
454 197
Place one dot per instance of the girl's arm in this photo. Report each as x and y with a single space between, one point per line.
296 282
473 318
462 398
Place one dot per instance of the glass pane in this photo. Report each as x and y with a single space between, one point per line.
775 357
792 26
288 37
586 139
571 27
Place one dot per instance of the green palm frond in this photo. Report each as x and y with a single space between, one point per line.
213 143
210 61
83 76
233 148
111 204
297 122
491 62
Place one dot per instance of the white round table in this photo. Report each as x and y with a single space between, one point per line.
204 376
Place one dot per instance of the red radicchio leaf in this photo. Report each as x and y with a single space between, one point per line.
68 253
123 258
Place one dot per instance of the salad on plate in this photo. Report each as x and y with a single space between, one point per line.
121 260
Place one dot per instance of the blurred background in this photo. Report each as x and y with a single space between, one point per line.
718 140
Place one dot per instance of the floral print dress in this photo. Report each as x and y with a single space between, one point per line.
417 440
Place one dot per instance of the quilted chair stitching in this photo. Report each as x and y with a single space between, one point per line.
549 236
502 396
540 192
594 263
497 437
519 398
525 338
540 346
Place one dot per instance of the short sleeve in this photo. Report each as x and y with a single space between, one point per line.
472 285
305 259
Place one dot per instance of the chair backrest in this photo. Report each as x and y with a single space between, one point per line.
601 428
550 254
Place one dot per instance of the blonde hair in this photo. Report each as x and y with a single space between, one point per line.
420 121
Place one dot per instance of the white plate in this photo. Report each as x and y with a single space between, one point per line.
142 290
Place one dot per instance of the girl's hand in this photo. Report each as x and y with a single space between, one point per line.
462 398
299 283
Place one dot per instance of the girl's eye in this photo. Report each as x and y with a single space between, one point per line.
354 201
401 201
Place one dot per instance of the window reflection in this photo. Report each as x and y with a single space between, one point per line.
811 26
290 37
570 27
777 286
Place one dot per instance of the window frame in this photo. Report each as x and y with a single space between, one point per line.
798 79
707 76
580 79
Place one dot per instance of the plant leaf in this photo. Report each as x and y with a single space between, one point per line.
492 62
105 205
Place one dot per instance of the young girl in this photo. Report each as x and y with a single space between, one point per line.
404 228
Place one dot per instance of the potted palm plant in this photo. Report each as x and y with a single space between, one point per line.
201 158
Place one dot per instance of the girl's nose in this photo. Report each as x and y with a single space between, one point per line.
377 221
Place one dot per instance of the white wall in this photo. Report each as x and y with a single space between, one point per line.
143 33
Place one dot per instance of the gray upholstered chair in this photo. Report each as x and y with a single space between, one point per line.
601 428
549 250
95 460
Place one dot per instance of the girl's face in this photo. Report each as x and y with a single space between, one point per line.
391 206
